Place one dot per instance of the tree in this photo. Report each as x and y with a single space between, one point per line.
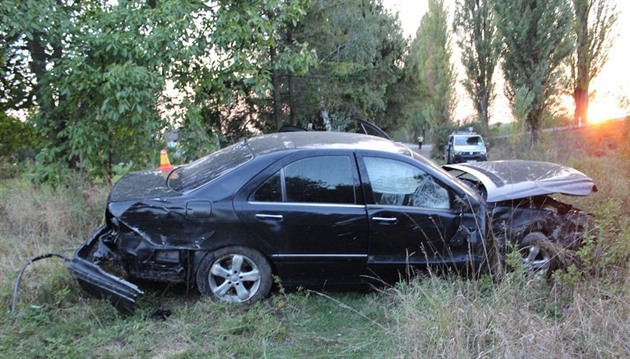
537 37
478 40
18 139
33 37
593 24
359 47
96 71
429 61
239 99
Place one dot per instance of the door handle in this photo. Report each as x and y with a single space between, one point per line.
385 219
268 216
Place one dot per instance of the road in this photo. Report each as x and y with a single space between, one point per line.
425 151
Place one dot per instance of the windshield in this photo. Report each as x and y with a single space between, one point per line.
468 141
209 167
450 178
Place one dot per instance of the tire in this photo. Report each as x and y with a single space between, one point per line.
538 255
234 274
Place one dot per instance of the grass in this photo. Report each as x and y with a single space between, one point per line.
578 314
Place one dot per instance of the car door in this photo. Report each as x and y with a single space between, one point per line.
410 217
309 209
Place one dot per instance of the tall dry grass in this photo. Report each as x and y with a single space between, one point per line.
38 219
454 318
578 314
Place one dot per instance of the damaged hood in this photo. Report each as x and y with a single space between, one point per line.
514 179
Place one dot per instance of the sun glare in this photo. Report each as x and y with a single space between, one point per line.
604 109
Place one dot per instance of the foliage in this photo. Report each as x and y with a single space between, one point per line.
594 21
581 313
429 63
17 139
97 71
537 37
359 46
231 88
478 41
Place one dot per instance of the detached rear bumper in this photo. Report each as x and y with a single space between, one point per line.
96 281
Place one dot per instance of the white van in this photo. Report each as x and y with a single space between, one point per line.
465 146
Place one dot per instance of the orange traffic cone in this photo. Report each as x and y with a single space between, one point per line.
165 164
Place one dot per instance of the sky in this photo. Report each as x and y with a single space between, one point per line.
612 82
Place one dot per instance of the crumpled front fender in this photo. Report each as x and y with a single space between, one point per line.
98 282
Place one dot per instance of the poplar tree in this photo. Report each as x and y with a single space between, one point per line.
430 60
479 43
537 37
593 26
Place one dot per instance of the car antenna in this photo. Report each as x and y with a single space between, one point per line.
246 144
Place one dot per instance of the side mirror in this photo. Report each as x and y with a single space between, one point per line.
461 204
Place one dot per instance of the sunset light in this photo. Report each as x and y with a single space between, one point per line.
610 84
603 109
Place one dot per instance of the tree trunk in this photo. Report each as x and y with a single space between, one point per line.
325 118
533 137
109 166
292 107
54 121
583 63
482 112
580 96
277 97
534 128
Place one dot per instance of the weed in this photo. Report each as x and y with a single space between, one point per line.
582 312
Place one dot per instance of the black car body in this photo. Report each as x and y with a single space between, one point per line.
323 209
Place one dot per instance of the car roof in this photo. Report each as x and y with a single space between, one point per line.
322 140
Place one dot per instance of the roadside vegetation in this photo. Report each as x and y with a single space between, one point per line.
580 313
91 90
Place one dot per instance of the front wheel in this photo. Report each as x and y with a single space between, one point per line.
234 274
538 255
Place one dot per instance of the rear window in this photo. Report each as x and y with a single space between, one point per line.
209 167
323 179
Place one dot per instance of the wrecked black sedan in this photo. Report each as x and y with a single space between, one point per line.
522 211
331 210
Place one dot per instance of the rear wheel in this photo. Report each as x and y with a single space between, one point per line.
234 274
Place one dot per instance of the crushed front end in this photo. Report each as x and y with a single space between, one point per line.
560 222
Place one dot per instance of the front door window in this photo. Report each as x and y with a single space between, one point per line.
399 183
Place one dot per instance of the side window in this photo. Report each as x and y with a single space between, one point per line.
324 179
401 184
270 191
